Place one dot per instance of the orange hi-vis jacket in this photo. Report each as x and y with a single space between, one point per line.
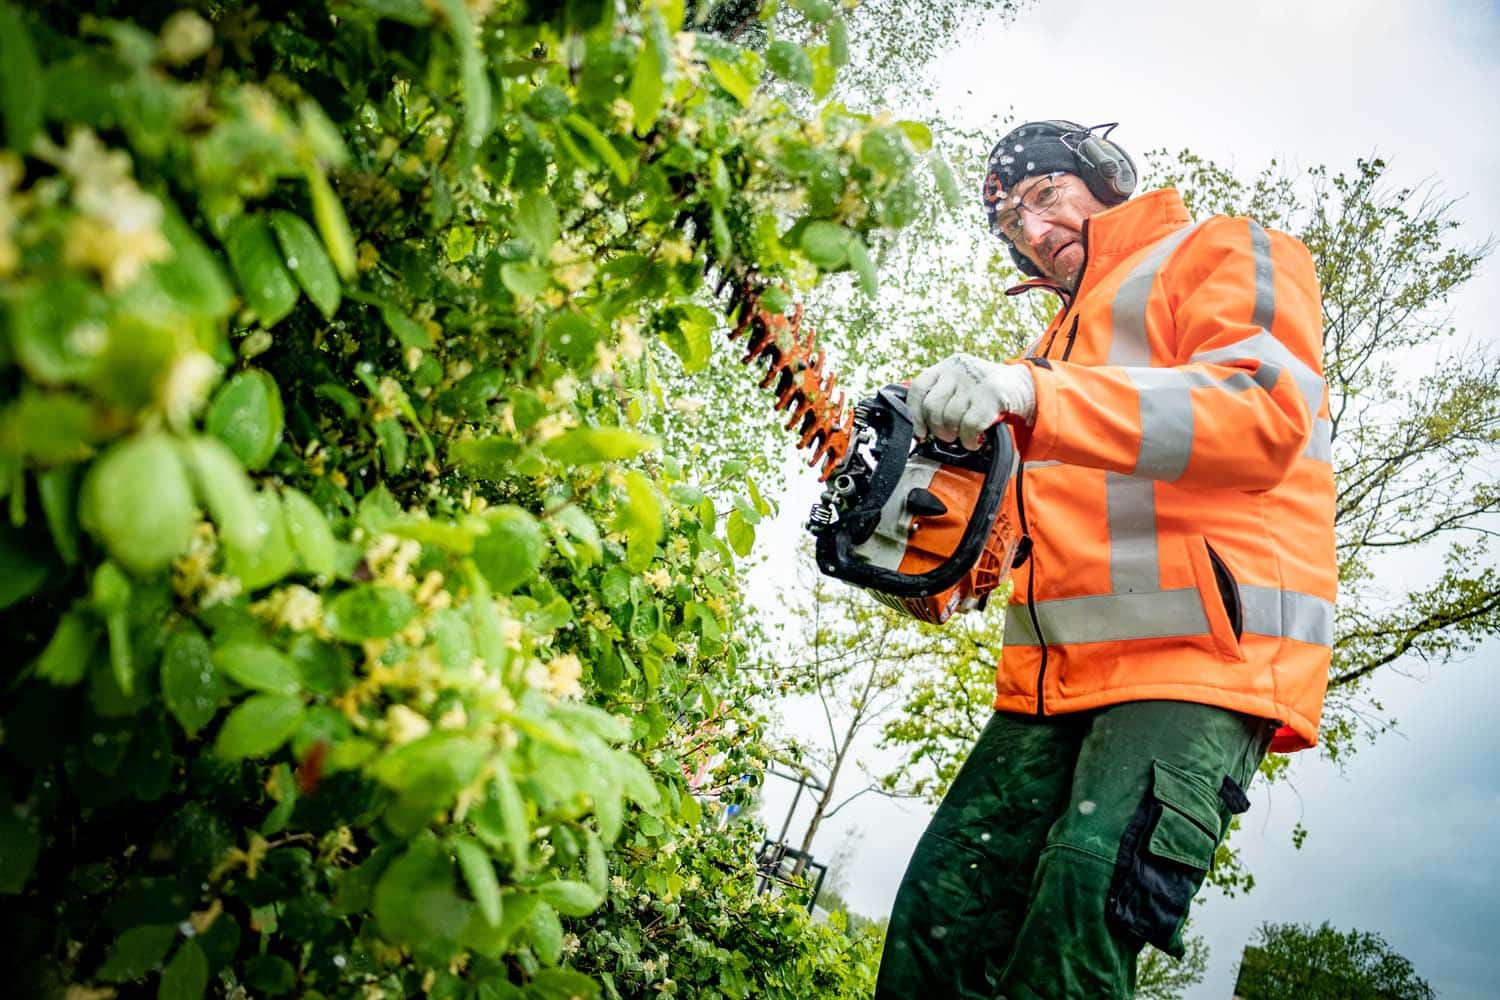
1177 483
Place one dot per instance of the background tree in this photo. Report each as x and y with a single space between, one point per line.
1161 977
1296 960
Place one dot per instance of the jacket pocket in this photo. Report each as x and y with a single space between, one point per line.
1166 852
1229 592
1220 594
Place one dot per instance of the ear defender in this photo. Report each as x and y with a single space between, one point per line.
1105 168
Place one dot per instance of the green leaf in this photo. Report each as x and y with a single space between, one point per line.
886 149
137 501
478 100
583 531
258 725
333 226
816 11
415 902
247 415
686 331
392 445
546 934
409 333
561 984
587 445
513 830
919 135
648 81
635 780
270 975
136 952
186 976
57 489
732 79
600 144
548 103
412 12
48 428
192 277
573 337
22 571
317 550
191 685
640 518
66 658
570 898
21 838
838 41
597 864
479 874
524 279
859 260
259 667
223 486
510 553
826 244
272 557
943 174
741 533
368 611
536 223
789 61
306 258
21 90
268 286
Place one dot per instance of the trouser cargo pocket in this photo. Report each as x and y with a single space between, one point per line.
1165 853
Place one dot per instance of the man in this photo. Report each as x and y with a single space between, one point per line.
1172 612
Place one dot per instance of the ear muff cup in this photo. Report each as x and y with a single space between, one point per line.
1106 169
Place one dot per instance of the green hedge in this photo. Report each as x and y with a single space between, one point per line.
360 632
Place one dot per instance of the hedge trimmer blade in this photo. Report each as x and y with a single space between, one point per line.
794 372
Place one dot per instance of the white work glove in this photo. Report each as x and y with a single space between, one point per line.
962 396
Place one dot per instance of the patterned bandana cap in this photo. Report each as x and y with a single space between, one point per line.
1028 150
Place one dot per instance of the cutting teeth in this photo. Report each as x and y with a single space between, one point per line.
794 372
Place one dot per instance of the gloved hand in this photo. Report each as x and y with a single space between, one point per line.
962 396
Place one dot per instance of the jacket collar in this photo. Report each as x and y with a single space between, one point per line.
1115 233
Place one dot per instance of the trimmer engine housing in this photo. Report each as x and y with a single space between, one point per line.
918 525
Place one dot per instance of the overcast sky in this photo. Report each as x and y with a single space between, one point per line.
1403 842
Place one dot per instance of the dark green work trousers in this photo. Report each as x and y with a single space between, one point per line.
1065 844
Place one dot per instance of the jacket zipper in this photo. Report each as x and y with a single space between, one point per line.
1083 239
1028 546
1036 623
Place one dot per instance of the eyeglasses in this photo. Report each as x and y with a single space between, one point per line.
1040 200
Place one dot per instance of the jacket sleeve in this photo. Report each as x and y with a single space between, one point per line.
1235 390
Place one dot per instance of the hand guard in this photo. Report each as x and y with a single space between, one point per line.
962 396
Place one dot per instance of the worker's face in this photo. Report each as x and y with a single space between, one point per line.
1052 237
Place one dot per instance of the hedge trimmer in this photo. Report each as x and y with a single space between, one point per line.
918 524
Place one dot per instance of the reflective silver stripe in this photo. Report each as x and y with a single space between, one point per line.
1109 618
1130 505
1045 464
1264 315
1168 613
1265 348
1128 342
1320 445
886 546
1285 613
1131 502
1166 422
1236 382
